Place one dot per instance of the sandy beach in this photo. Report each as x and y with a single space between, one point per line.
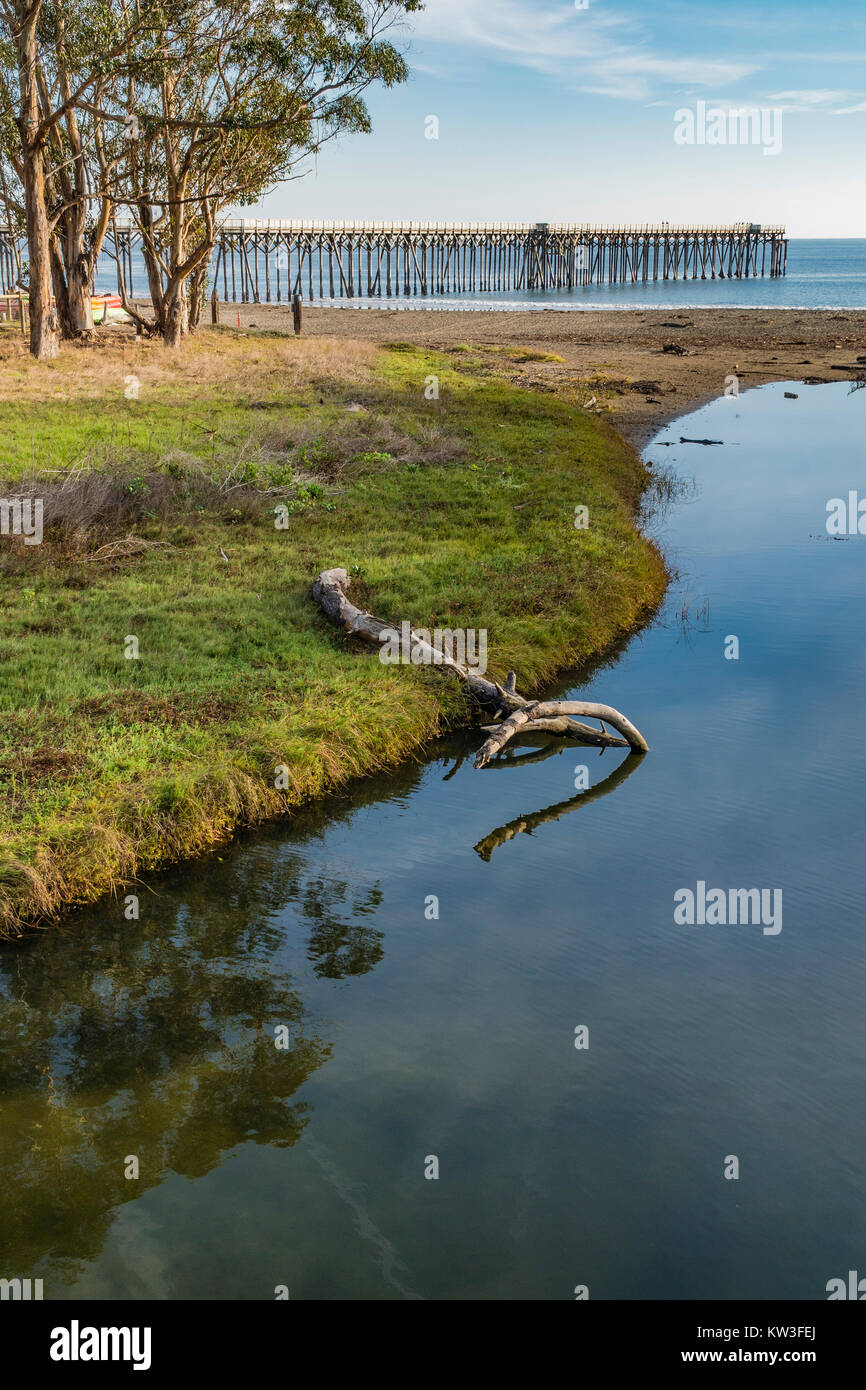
617 356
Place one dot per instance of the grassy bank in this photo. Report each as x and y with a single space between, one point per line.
452 512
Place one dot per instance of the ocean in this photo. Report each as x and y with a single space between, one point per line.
822 274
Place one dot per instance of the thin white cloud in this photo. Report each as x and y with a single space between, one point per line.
813 100
810 97
589 49
622 91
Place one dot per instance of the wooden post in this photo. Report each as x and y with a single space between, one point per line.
214 306
297 314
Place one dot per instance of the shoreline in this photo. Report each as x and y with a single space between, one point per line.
242 702
611 353
621 378
444 304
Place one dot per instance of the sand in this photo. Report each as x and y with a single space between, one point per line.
618 348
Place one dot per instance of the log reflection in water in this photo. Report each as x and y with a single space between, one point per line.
526 824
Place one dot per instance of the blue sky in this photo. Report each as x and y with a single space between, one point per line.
548 112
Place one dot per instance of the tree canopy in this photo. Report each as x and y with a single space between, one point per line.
168 114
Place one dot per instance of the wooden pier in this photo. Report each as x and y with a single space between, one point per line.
261 262
257 261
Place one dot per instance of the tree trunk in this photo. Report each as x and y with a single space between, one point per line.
43 319
176 313
70 186
151 263
61 296
197 288
78 291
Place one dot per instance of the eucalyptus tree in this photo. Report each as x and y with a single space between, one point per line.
78 175
238 99
24 139
58 60
173 112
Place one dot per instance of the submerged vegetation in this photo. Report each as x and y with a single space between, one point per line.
188 505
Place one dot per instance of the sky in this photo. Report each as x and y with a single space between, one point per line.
548 112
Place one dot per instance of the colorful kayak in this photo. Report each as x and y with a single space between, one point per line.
107 307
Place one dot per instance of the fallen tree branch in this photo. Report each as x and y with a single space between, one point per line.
569 728
501 702
543 710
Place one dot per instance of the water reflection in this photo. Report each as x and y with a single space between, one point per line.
337 947
525 825
156 1039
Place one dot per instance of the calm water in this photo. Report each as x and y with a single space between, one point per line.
454 1037
822 274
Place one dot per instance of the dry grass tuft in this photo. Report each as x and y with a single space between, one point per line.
216 358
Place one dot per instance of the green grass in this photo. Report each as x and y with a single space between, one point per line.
113 766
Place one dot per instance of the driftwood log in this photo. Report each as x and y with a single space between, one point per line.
508 712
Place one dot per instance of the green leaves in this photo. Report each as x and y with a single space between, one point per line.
171 113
